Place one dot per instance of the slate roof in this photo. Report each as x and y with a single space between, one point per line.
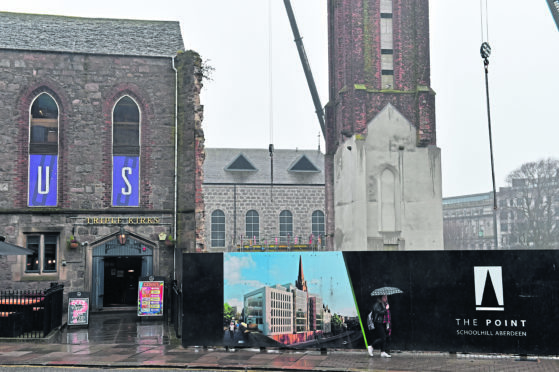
219 159
52 33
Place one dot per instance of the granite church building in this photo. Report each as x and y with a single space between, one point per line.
97 116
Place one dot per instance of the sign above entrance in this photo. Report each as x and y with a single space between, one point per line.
122 220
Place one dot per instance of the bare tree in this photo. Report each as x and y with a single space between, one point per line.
531 200
454 234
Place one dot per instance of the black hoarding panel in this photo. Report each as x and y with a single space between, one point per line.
464 301
202 288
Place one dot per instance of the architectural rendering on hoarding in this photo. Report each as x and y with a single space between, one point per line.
288 299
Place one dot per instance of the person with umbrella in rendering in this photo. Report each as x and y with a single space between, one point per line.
379 325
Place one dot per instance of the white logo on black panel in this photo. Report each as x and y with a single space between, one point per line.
489 288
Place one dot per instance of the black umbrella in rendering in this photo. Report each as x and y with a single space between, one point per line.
386 291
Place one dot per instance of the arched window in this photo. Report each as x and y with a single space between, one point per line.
126 153
43 152
286 226
388 201
253 226
218 229
43 137
126 127
318 224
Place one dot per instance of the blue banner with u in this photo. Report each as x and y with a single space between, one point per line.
43 180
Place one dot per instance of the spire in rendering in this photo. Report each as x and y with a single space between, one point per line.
301 283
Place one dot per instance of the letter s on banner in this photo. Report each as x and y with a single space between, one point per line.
126 181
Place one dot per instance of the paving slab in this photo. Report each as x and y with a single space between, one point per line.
117 341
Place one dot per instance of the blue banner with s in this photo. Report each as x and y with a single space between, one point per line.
126 181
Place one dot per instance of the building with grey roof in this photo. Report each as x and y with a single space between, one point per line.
125 37
94 112
253 199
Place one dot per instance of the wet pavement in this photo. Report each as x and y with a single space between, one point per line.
119 340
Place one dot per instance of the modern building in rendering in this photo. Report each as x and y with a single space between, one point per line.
287 313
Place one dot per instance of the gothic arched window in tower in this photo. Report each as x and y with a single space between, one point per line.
386 45
388 201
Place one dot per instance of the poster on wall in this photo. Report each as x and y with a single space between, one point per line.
150 297
78 309
295 300
43 180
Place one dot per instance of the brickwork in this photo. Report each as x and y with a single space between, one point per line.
236 200
356 89
86 88
355 67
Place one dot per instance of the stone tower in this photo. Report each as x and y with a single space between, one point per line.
380 123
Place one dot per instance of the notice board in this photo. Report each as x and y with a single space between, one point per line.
78 309
150 296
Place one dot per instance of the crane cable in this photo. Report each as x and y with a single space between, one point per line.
485 52
484 14
271 101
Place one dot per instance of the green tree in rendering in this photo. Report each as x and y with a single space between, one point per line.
228 313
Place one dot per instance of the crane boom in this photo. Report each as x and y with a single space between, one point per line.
306 66
554 7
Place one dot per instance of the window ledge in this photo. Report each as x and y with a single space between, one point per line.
39 277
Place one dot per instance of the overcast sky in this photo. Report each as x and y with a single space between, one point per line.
247 106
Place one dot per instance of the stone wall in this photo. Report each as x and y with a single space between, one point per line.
357 96
86 88
236 200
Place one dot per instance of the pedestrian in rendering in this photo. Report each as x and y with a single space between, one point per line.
232 330
382 327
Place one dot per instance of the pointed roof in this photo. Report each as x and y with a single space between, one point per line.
301 283
303 164
241 164
226 166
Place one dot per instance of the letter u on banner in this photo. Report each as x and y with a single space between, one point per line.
126 181
43 180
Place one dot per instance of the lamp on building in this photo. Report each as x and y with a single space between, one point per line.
122 236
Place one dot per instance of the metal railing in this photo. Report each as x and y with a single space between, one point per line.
31 313
283 243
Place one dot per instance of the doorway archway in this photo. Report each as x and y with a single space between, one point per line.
116 269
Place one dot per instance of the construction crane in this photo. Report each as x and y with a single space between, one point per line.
306 66
554 7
